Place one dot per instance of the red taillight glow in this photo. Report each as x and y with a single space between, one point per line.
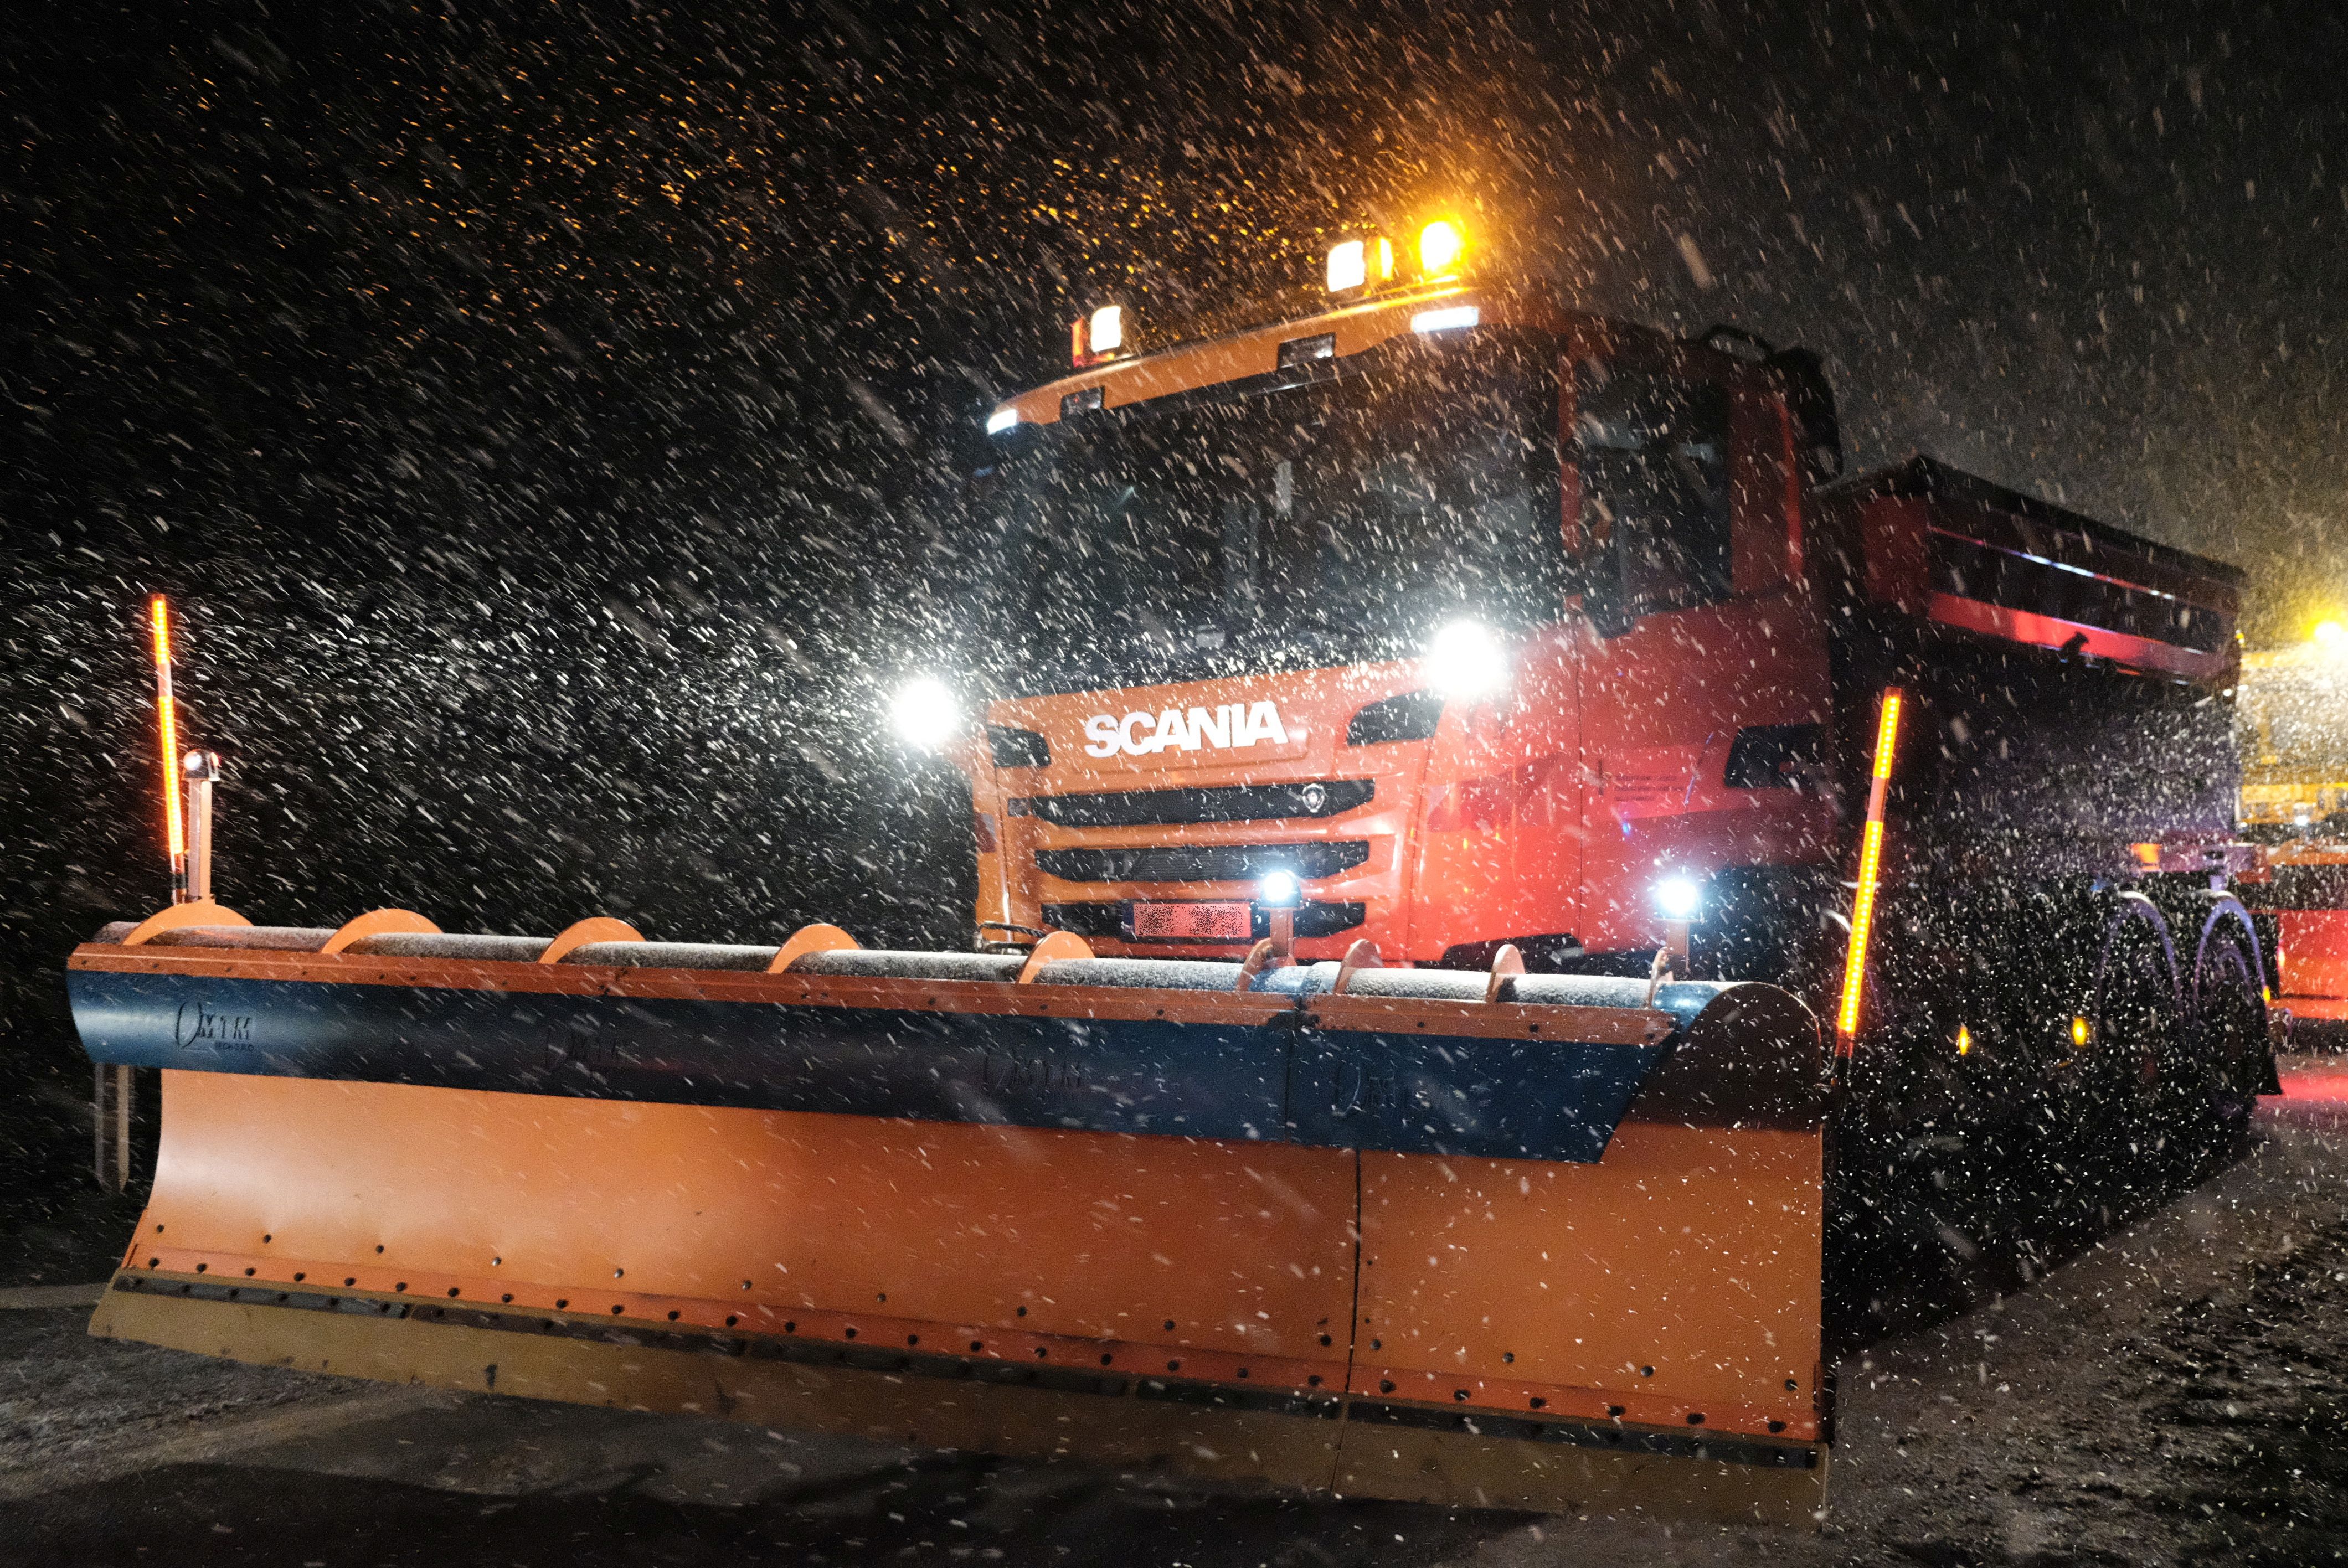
159 618
1870 867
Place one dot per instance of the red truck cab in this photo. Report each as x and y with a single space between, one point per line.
1322 598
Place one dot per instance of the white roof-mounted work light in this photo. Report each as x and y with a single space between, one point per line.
1107 329
1099 336
1359 263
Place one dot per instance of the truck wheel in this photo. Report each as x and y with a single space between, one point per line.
2134 1053
2227 1006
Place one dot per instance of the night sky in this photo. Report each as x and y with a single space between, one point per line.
547 416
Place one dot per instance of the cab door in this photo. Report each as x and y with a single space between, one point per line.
1703 672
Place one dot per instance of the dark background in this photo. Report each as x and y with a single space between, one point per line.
546 420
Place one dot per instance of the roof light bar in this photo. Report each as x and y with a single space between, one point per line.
1870 868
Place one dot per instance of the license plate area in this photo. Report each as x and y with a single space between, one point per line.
1193 922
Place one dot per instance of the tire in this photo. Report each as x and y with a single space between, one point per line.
2227 1007
2132 1068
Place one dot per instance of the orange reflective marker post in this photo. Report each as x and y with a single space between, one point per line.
159 615
1870 868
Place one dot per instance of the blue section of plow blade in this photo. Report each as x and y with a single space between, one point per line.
1282 1082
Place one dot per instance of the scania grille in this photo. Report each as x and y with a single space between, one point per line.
1202 862
1237 802
1116 920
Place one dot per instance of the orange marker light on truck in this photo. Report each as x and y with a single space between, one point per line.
1871 867
159 622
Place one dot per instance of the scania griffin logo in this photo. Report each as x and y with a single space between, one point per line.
1233 726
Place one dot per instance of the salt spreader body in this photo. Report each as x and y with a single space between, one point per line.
1430 834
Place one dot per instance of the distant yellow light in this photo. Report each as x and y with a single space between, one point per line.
1107 332
1385 258
1964 1040
1440 246
1349 266
2331 637
2079 1031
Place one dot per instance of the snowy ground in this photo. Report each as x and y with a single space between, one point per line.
2179 1395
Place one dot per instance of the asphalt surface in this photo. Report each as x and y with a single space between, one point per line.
2177 1394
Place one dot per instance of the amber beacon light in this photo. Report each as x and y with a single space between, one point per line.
1440 247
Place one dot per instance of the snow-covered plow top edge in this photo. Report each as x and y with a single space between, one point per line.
1324 1054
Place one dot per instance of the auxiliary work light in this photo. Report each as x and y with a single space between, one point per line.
1107 329
1097 336
1679 897
1466 660
924 714
1279 889
1349 266
1354 263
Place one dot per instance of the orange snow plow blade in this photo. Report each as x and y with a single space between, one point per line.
1520 1241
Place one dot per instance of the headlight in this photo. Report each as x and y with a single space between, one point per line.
1679 897
924 714
1465 659
1278 890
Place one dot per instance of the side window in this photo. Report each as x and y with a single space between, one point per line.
1654 455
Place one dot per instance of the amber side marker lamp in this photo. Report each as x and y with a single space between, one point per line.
1870 869
158 624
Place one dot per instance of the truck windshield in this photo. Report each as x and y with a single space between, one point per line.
1267 526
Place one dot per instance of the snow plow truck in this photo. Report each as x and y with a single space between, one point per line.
1494 861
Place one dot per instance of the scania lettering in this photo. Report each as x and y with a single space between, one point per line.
1229 726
